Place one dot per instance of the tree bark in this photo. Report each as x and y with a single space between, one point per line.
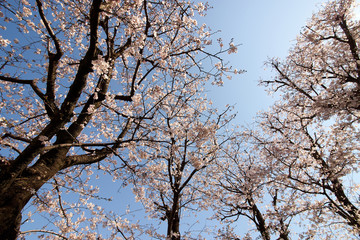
173 230
10 219
14 200
260 221
20 181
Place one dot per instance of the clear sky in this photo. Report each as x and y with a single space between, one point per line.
265 29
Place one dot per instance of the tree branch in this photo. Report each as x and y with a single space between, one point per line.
85 66
32 83
53 65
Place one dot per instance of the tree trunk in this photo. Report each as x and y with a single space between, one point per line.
173 217
348 211
260 221
10 220
11 205
23 189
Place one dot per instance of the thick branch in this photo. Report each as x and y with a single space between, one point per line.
53 64
352 44
85 64
6 135
86 158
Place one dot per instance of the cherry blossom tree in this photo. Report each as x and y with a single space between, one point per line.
302 159
245 189
81 82
309 140
299 166
316 125
181 163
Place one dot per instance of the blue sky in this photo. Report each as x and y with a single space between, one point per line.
265 29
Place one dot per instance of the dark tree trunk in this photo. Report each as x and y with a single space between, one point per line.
10 220
259 219
11 205
173 217
23 188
